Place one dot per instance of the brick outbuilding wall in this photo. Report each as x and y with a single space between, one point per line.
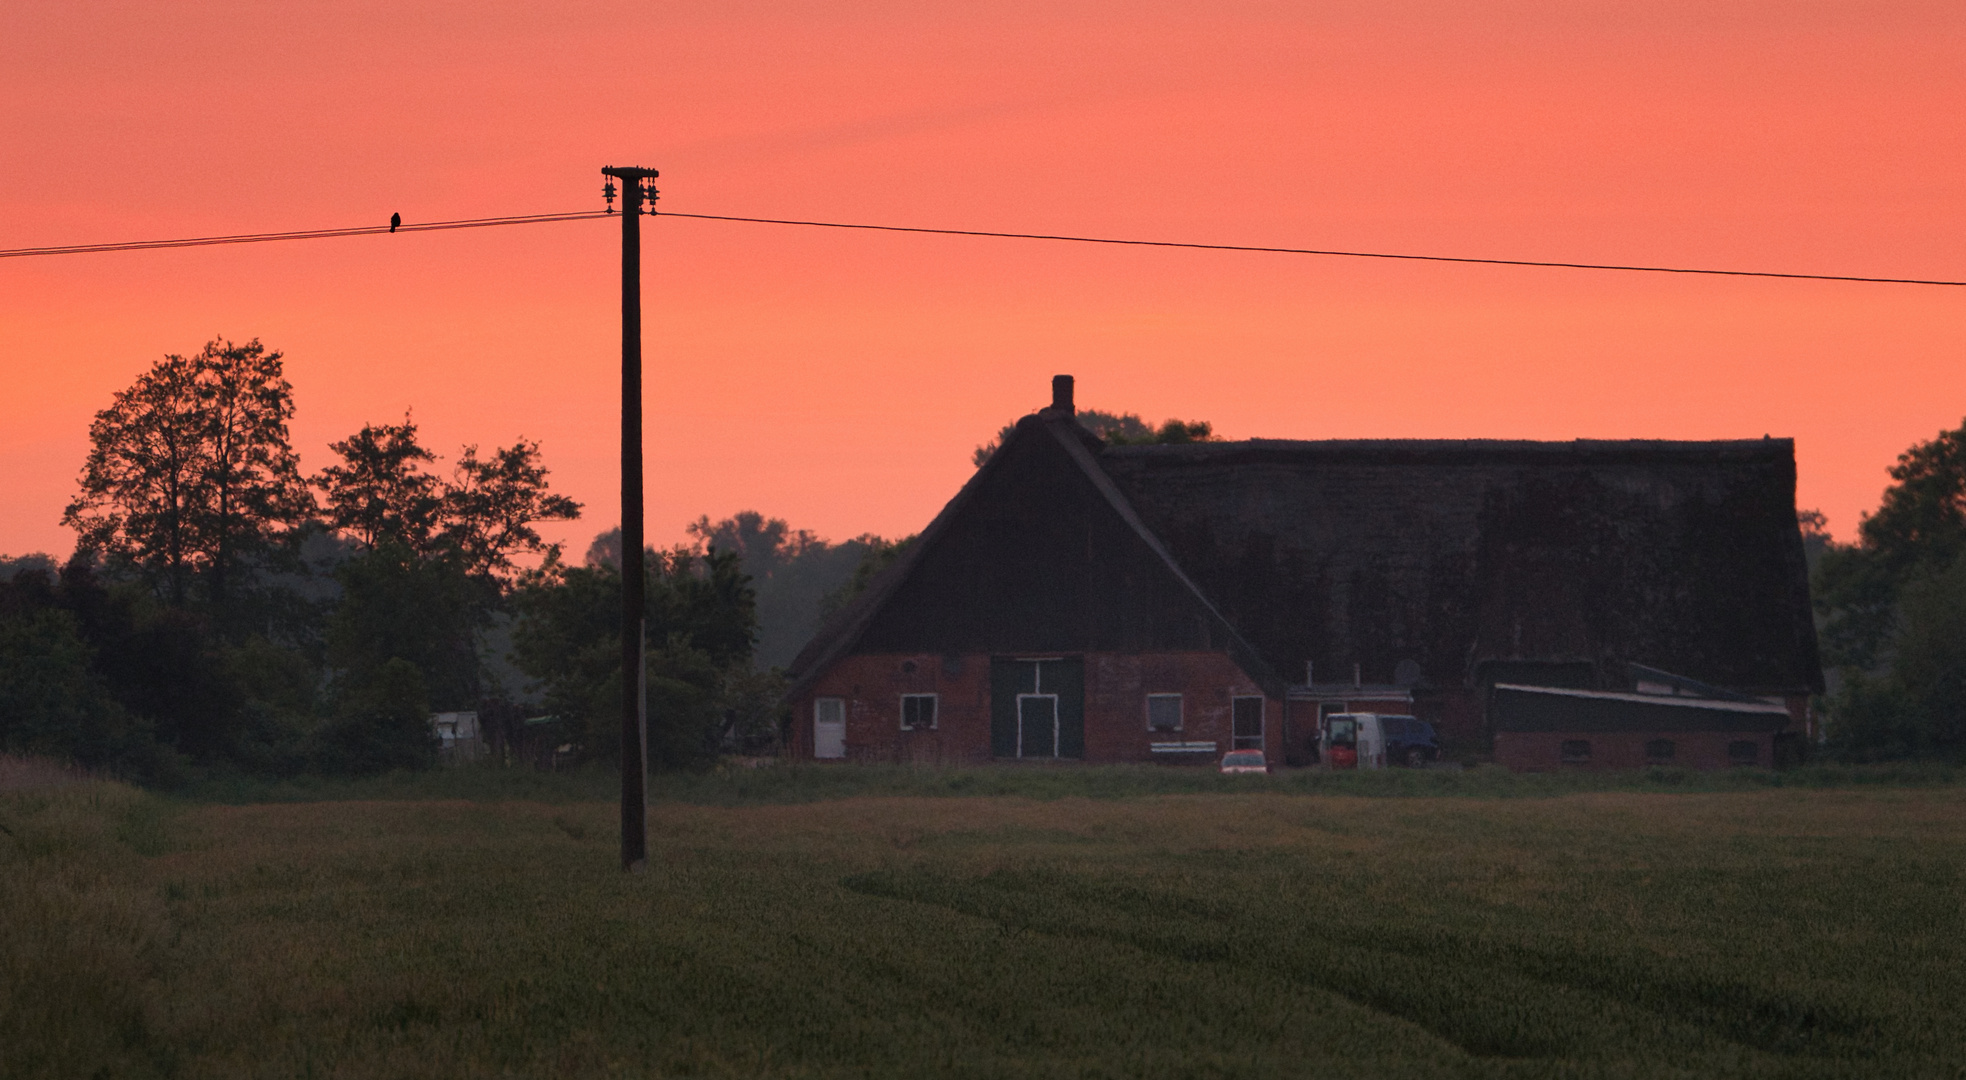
1116 689
1537 751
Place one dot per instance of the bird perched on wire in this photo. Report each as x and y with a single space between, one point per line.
395 220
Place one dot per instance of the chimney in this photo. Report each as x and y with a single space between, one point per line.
1061 394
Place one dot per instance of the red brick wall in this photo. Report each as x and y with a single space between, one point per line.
1459 715
1536 751
1116 689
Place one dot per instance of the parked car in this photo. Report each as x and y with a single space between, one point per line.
1409 741
1245 761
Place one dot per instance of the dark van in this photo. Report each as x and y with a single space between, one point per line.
1409 741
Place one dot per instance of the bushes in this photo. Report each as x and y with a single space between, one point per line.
383 723
701 619
1893 609
54 700
1916 705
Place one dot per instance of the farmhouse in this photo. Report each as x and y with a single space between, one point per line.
1108 603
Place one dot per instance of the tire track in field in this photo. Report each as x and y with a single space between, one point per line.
1490 999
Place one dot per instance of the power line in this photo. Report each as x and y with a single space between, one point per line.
303 234
1322 251
530 219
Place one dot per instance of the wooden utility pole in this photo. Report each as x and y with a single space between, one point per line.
635 189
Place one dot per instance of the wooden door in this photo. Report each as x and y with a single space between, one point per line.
1037 707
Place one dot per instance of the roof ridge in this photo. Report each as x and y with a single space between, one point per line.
840 633
1767 443
1102 483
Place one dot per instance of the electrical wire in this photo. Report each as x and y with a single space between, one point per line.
304 234
532 219
1322 251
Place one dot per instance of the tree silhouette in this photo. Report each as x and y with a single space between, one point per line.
490 505
1922 518
1117 429
378 493
190 469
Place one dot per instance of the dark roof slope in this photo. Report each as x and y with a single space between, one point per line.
1452 553
1039 552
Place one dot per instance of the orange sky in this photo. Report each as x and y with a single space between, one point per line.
840 380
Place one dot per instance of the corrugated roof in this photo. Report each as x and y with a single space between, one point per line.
1547 710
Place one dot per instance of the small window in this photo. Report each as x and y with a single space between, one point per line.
1163 712
1743 752
918 712
1576 751
1659 750
1248 723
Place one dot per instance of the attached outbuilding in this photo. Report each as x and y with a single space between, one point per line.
1541 728
1080 601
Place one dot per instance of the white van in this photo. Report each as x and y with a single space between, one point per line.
1352 741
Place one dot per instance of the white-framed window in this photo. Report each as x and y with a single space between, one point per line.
918 712
1163 712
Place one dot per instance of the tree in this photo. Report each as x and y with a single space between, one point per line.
1922 520
1918 530
382 724
436 555
190 469
1117 429
52 700
378 492
702 620
1917 706
1893 609
483 516
491 504
98 675
877 556
399 605
1929 664
793 571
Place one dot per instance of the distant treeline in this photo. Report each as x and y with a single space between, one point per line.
1891 612
223 612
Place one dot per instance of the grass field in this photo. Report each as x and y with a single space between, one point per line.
801 926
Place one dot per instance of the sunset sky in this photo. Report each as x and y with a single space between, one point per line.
840 380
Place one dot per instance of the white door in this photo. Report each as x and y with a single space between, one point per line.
1037 725
829 727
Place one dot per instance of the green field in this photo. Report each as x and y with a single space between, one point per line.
799 925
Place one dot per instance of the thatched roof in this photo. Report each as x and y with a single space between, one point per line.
1453 555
